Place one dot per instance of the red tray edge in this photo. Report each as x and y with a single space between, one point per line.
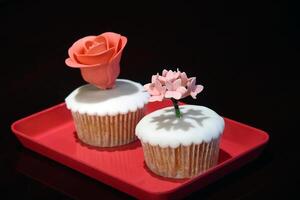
68 161
137 190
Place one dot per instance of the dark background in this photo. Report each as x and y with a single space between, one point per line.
245 54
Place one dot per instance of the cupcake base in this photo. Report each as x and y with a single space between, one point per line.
183 161
107 131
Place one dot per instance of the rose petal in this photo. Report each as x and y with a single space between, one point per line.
101 39
75 64
113 40
87 45
99 58
78 46
97 48
120 45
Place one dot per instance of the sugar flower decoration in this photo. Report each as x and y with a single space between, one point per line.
156 89
174 85
98 58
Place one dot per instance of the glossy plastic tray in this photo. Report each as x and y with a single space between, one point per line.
52 133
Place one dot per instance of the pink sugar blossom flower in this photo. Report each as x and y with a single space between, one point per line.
152 84
168 76
174 85
193 88
155 89
184 79
175 90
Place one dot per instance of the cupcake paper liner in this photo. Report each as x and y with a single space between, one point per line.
107 131
183 161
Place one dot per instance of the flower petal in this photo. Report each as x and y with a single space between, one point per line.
122 44
158 86
173 94
99 58
96 48
177 74
193 95
162 79
176 84
169 85
113 39
147 86
78 46
198 88
75 64
184 79
88 44
169 75
192 82
101 39
154 78
164 72
182 90
154 91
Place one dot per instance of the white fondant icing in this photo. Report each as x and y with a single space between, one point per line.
198 124
124 97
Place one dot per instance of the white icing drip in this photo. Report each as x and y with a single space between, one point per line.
198 124
126 96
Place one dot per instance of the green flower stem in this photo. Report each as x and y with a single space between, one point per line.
177 110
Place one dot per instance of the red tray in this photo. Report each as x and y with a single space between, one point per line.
52 133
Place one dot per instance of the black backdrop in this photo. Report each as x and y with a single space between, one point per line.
243 53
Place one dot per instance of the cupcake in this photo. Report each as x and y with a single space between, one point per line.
180 141
106 110
107 118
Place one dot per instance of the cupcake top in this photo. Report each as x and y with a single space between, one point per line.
126 96
198 124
